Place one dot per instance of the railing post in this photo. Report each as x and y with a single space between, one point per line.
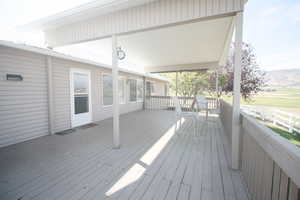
235 143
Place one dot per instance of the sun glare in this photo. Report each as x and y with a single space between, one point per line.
155 150
137 170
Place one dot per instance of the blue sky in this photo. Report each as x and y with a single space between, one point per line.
271 26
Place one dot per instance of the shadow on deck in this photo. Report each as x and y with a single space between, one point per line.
153 163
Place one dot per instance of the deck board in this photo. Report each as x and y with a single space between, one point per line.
83 165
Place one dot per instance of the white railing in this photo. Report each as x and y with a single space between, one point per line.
270 164
166 103
277 117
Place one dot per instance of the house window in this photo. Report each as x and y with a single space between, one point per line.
132 90
140 90
107 90
166 89
149 88
122 90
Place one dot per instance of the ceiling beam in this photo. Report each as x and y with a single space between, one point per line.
183 67
226 46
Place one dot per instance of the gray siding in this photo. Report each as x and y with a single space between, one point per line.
61 94
24 104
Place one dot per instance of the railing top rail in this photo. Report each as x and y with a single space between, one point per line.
284 153
180 97
287 114
224 102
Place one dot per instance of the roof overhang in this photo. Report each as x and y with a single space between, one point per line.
158 35
194 46
51 53
82 12
187 47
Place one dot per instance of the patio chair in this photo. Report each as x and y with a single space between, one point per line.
202 104
180 114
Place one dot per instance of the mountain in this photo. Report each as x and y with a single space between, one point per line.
283 78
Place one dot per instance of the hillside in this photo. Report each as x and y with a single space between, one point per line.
283 78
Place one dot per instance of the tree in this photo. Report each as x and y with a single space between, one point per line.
252 78
194 83
189 83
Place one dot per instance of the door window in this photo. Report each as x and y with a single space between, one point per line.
81 95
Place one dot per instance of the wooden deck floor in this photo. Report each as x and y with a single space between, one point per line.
153 163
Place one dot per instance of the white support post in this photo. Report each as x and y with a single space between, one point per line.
115 74
144 92
235 140
50 94
217 83
176 83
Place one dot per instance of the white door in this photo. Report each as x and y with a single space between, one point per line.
81 112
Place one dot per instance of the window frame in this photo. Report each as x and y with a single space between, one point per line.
137 84
124 89
106 74
123 78
129 100
152 87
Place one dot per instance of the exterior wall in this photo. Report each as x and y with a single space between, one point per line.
61 94
159 87
61 90
155 14
23 104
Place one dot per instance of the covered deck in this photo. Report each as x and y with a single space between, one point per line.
153 163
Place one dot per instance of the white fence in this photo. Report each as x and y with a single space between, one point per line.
287 120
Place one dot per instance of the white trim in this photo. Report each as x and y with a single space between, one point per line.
90 115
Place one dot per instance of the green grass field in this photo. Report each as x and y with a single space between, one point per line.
293 138
285 99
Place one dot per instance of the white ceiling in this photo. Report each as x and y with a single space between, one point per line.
200 42
195 43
